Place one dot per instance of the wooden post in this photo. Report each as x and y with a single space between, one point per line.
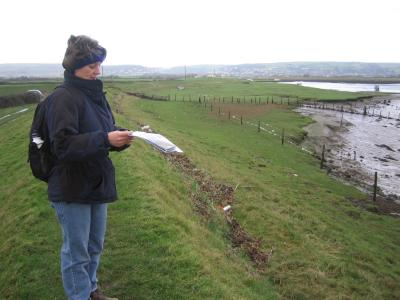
259 126
322 156
375 186
229 116
241 120
283 136
219 111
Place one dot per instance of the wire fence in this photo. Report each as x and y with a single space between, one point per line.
210 103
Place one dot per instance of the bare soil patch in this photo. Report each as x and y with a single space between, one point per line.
244 110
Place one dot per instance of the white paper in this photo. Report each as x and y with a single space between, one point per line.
38 141
157 140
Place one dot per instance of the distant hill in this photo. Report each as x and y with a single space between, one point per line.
285 69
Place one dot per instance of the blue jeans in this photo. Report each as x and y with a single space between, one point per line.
83 228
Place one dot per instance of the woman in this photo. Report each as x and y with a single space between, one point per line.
82 183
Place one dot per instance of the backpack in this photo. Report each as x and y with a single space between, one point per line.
40 158
39 155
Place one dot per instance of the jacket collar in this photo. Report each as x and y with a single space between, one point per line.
91 88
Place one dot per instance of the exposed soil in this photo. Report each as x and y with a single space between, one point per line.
244 110
209 194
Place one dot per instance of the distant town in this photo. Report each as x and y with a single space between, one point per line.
259 70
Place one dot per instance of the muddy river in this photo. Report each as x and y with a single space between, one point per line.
358 145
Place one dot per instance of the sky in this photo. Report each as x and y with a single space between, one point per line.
166 33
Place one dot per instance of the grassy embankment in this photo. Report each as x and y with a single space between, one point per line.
20 88
158 248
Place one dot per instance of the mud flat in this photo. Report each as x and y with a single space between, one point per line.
357 146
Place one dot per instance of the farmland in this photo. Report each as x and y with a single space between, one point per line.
160 246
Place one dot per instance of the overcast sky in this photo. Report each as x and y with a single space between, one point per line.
164 33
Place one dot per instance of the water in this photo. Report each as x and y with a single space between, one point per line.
370 143
350 87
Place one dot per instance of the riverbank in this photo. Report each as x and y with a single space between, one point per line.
356 146
345 79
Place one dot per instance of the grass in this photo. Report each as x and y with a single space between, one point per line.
21 87
229 88
157 247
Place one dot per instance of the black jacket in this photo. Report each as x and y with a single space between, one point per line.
79 119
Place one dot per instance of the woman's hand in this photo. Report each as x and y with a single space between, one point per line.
120 138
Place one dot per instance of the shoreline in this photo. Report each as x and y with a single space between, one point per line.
342 165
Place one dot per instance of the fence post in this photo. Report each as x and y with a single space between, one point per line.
229 116
283 136
322 157
259 126
241 120
375 186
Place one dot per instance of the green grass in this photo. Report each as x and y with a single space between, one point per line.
157 247
210 88
20 88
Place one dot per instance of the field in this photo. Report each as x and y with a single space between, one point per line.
162 243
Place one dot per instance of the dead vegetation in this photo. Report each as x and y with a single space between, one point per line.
208 195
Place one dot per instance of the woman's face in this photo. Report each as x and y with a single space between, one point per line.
89 72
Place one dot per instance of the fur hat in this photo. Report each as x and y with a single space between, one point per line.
82 51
